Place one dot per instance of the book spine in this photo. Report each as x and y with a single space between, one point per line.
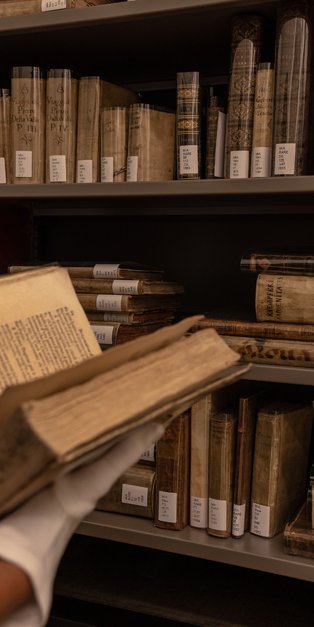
215 139
263 121
103 302
114 144
222 441
284 298
27 125
200 420
88 130
245 53
292 89
61 125
188 133
173 475
270 330
276 352
133 494
277 263
5 136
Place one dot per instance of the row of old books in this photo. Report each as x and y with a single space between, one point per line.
122 300
283 331
9 8
236 461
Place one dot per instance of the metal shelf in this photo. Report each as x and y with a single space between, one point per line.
281 374
249 551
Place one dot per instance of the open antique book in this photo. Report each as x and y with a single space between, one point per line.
64 402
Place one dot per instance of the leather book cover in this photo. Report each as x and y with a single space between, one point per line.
126 286
298 535
109 333
284 298
188 125
270 330
272 351
124 302
132 494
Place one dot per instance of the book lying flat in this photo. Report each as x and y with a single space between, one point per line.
132 318
55 422
126 286
115 333
101 270
270 330
128 303
277 352
298 536
278 262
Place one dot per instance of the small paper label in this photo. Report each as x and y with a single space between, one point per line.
57 169
53 5
198 512
167 506
285 159
188 157
116 316
260 520
120 286
149 454
107 302
238 516
24 163
132 168
220 145
134 495
105 270
84 172
107 169
3 176
261 162
239 164
217 514
103 333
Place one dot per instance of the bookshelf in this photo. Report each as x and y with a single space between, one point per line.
195 230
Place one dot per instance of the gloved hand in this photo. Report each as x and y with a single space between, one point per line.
35 535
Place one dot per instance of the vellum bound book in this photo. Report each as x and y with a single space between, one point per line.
132 494
53 422
10 8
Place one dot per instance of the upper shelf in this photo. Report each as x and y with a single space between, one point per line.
274 196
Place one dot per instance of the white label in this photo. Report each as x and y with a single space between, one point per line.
132 168
105 270
188 157
84 173
53 5
107 302
220 145
3 176
57 169
103 333
198 512
24 163
260 520
149 454
107 169
116 316
167 506
285 159
261 162
239 164
217 514
134 495
238 516
121 286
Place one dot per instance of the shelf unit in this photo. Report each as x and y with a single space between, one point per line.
195 230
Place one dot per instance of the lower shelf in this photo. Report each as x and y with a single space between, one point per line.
249 551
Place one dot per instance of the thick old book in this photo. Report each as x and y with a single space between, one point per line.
284 298
120 270
247 417
133 318
88 130
272 351
132 494
53 422
281 454
114 132
278 262
173 474
127 303
215 138
5 174
262 138
10 8
188 125
298 535
126 286
222 443
151 143
109 333
269 330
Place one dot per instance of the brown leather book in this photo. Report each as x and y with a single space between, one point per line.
276 352
173 474
120 302
10 8
101 270
298 535
282 441
132 494
277 262
269 330
126 286
109 333
133 318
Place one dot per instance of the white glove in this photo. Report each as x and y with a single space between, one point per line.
35 535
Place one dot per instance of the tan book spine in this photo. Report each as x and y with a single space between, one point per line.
278 263
114 144
5 173
126 286
200 421
282 441
61 126
88 130
109 333
270 351
120 302
222 442
269 330
298 535
27 125
151 144
173 474
285 298
188 138
133 494
245 53
263 121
